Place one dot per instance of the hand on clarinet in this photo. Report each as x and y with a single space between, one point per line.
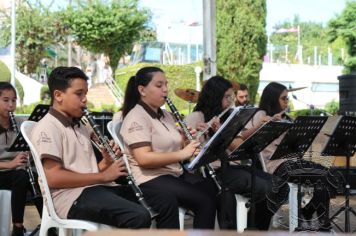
190 150
192 131
115 170
116 150
19 161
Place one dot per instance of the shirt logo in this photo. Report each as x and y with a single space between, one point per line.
44 138
135 127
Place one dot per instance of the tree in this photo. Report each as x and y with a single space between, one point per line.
311 34
241 40
344 27
36 30
108 28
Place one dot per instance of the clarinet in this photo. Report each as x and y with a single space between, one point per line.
187 133
104 141
28 168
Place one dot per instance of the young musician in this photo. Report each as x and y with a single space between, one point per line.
216 97
156 147
273 103
81 188
13 175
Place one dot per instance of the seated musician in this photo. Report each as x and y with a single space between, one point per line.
216 96
273 103
156 147
13 175
80 187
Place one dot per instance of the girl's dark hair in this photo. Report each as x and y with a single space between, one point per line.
211 96
61 77
132 96
6 86
270 98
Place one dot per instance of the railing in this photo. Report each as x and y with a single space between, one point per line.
116 90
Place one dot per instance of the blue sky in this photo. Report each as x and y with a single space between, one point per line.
308 10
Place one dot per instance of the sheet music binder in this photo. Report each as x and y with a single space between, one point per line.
223 137
19 144
260 139
299 137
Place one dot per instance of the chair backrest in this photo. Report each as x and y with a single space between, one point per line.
114 130
26 130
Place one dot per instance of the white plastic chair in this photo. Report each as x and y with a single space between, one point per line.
114 130
49 216
241 213
5 212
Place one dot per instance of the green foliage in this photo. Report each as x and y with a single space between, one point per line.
306 112
5 75
104 107
45 94
27 109
241 40
107 28
179 76
36 30
344 27
148 35
332 107
311 34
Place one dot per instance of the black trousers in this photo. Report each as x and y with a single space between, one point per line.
326 183
17 181
116 206
166 193
238 181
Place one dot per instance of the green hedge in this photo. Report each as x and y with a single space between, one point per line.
306 112
179 76
5 75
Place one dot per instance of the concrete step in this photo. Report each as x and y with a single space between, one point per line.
100 94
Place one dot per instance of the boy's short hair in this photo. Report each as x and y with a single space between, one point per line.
6 86
61 77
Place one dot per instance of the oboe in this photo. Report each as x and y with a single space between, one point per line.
187 133
36 192
104 141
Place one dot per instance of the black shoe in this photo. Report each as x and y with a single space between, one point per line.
307 214
325 227
18 231
52 232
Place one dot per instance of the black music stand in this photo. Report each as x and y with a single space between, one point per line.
342 142
20 145
223 137
216 147
295 143
250 149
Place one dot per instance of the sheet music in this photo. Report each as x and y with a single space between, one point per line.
206 146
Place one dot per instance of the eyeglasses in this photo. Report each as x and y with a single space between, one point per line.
230 98
284 98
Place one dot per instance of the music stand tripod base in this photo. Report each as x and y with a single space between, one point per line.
342 142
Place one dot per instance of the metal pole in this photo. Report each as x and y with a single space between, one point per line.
69 62
209 39
13 42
